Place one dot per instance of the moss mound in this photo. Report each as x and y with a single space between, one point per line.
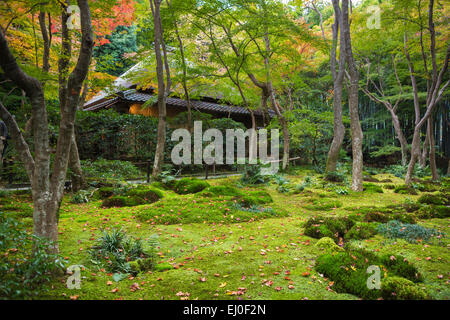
327 244
396 288
404 189
432 211
372 188
332 227
190 185
434 199
216 191
361 230
122 201
148 194
349 271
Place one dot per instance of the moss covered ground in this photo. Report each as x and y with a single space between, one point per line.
219 250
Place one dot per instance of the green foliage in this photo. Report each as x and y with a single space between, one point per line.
81 196
190 185
148 194
396 288
387 150
332 227
115 250
110 57
252 175
410 232
400 171
23 271
110 169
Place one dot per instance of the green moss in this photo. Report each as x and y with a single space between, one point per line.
332 227
104 192
324 204
361 231
372 188
141 265
396 288
327 244
432 211
216 191
122 201
404 189
436 199
190 185
148 194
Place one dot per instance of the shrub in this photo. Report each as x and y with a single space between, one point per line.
190 185
110 169
372 188
328 245
332 227
122 201
361 231
81 196
23 271
252 175
409 232
115 250
436 199
396 288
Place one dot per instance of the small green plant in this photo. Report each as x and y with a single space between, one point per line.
81 196
252 175
115 250
26 263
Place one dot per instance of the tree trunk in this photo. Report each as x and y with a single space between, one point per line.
161 140
433 167
415 154
338 82
355 125
78 182
400 137
425 148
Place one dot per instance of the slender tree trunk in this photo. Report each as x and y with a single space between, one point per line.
355 125
415 154
161 140
433 167
78 181
425 148
338 83
400 137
